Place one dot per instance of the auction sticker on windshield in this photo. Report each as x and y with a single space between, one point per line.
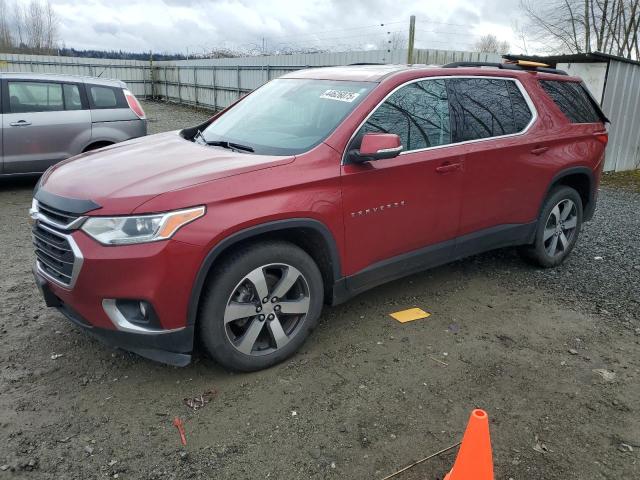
340 95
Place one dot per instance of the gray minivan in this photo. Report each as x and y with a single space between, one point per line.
46 118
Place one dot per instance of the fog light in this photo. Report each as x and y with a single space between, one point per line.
143 310
139 312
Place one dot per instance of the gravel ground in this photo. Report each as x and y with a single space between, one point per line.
162 117
552 355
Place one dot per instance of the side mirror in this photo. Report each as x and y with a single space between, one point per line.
377 146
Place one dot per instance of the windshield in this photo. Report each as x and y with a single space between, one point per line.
287 116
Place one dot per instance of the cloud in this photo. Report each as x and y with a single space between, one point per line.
203 25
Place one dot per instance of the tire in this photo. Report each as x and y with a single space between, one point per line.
241 325
558 228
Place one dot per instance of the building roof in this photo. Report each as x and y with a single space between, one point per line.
553 60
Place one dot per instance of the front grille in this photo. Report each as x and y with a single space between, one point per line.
58 216
54 253
57 256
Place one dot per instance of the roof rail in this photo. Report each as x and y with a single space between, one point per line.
520 65
364 63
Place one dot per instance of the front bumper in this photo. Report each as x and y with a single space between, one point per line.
159 273
173 348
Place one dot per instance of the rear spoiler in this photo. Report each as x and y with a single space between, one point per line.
595 104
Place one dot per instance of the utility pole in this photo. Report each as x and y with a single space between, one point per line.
412 38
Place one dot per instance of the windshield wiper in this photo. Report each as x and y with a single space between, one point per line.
229 145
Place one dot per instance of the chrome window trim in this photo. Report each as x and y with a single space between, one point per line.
77 262
121 323
523 91
391 150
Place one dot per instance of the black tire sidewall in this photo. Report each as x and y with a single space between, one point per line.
556 196
228 274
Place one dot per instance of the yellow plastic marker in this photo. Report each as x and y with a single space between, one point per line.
528 63
410 315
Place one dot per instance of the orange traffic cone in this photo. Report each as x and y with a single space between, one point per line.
474 460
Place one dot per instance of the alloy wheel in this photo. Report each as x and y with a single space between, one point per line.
266 309
560 228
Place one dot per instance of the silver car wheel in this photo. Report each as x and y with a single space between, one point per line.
560 228
266 309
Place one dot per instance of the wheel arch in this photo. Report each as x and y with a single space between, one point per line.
311 235
95 144
582 180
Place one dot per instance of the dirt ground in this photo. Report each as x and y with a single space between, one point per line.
553 356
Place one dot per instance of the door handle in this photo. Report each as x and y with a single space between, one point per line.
448 167
539 150
20 123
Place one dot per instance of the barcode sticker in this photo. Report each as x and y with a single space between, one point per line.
340 95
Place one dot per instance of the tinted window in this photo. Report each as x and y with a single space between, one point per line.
106 97
72 100
521 113
418 113
572 100
35 97
483 108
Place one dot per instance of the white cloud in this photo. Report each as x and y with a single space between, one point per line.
202 25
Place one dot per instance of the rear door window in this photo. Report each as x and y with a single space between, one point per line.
26 97
573 100
72 99
486 107
106 97
418 113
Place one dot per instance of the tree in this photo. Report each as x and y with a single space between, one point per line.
6 38
491 44
30 27
579 26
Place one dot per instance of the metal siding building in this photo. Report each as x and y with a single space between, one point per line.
615 82
621 103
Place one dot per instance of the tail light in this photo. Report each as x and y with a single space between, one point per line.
602 137
134 104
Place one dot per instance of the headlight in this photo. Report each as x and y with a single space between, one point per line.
139 228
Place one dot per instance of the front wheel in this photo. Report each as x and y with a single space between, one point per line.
260 305
558 228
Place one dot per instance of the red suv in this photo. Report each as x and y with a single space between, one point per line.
315 187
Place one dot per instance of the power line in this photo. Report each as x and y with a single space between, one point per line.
440 32
446 23
378 25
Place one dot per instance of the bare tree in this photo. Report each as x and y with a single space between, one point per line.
578 26
28 27
6 37
491 44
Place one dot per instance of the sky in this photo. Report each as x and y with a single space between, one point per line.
198 26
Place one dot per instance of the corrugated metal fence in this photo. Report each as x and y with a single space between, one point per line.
215 83
218 83
135 73
621 103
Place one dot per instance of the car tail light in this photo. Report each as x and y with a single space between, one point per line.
602 137
134 105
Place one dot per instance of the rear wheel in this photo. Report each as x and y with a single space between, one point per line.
260 306
558 228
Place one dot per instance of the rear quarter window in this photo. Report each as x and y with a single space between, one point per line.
106 97
573 100
485 108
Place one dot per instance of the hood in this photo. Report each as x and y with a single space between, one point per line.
122 176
